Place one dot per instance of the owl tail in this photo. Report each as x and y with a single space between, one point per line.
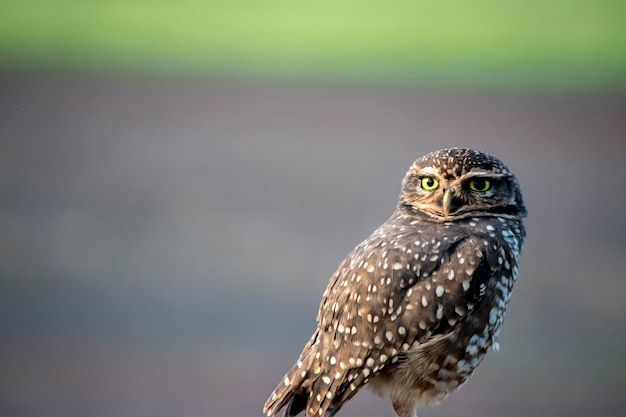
293 390
308 386
297 399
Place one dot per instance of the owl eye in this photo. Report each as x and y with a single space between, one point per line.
479 184
429 183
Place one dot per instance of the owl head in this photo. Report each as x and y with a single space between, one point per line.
456 183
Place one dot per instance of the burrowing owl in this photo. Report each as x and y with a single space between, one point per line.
413 309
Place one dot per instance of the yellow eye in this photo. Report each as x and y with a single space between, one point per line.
429 183
479 184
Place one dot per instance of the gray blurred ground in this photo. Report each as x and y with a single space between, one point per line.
164 243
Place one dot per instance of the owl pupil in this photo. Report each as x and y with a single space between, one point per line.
430 182
479 183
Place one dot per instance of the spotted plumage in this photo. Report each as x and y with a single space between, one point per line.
413 309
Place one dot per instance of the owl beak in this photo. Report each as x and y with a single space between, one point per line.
450 204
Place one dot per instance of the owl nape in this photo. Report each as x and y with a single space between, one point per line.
413 309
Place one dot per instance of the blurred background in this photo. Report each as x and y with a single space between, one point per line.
179 179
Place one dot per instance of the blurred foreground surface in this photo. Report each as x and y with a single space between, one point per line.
164 244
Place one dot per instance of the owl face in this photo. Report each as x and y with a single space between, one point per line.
451 184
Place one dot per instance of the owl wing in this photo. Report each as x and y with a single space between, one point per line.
386 297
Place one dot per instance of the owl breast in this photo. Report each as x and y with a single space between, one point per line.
430 371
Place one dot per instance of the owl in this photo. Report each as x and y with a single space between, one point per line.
414 308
